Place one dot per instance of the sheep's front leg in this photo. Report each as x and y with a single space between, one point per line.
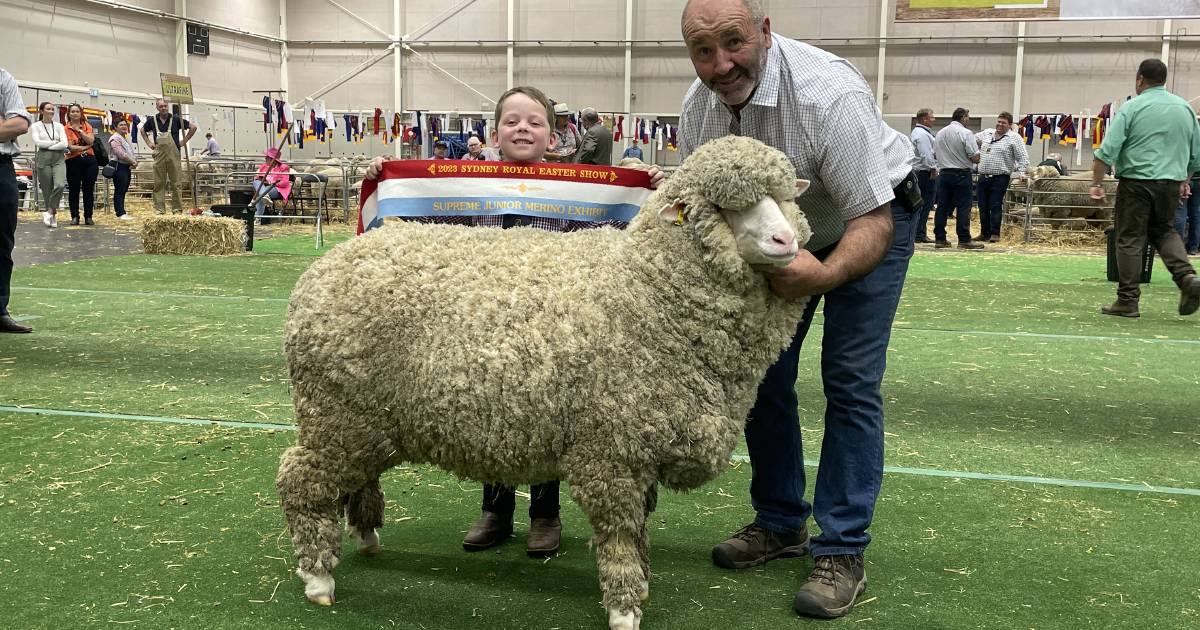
309 497
644 540
364 513
616 509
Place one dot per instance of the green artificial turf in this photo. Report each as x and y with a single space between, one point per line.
999 364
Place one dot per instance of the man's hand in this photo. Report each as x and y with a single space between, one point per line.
375 168
1185 190
1096 192
152 145
656 175
804 276
933 174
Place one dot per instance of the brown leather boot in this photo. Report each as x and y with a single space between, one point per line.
1189 295
1121 309
490 530
544 536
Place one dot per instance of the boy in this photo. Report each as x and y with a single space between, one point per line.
524 134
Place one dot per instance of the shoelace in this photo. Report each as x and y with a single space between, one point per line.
748 533
823 571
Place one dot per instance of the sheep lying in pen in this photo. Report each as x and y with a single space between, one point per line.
615 360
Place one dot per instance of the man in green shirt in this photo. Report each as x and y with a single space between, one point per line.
1153 146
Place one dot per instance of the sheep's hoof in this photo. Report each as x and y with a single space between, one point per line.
368 543
317 588
617 620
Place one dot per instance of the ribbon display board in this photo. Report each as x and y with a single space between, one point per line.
950 10
432 188
176 88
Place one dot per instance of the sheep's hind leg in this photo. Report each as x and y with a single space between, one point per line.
309 494
616 511
364 513
643 541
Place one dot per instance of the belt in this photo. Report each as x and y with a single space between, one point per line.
955 170
995 174
1151 181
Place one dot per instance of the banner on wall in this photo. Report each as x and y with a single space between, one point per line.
951 10
176 88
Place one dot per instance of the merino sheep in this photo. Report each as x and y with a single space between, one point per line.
615 360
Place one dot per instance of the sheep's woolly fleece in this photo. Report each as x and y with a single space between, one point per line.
520 355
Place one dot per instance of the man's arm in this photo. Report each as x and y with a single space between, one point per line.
973 149
190 132
146 139
863 245
13 127
587 153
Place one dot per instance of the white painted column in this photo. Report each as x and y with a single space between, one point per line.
397 70
1166 48
1020 71
881 71
512 32
628 71
283 49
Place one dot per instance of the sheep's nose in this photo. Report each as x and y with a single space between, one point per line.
784 239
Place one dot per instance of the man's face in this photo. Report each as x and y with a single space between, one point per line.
162 107
1002 126
439 152
927 120
560 122
474 146
727 49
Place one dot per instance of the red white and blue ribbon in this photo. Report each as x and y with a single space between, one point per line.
429 188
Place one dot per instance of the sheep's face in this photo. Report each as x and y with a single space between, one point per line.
762 233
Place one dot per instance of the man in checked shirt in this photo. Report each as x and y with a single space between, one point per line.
1001 153
818 110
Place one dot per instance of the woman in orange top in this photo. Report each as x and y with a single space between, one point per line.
81 164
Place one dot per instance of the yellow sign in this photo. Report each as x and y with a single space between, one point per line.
176 88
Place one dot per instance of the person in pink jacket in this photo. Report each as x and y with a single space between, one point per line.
272 172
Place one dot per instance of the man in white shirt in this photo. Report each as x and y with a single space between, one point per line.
925 168
957 151
1001 152
13 122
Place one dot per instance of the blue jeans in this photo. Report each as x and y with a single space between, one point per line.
991 203
858 323
274 194
928 186
953 195
121 180
1187 219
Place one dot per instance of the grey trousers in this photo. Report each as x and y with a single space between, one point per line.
51 171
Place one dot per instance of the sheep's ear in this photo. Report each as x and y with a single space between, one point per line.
801 186
672 213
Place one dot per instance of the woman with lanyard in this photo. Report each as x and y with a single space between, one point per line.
121 148
51 172
81 164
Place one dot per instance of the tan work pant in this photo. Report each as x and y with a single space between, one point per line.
166 166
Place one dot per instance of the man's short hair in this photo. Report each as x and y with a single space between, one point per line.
208 135
960 113
753 7
589 116
1154 71
440 145
923 112
475 140
1006 116
161 99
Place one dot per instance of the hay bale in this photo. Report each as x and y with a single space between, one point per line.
195 236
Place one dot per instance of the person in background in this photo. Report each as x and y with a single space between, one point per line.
82 170
13 122
597 140
1187 218
1055 160
523 134
474 149
1153 145
956 152
166 154
566 136
50 138
925 167
634 151
1002 153
439 150
273 171
211 148
121 148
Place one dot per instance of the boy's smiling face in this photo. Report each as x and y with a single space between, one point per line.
523 133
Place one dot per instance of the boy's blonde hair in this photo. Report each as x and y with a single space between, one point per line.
531 92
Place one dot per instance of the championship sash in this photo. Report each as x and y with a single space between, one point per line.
441 188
